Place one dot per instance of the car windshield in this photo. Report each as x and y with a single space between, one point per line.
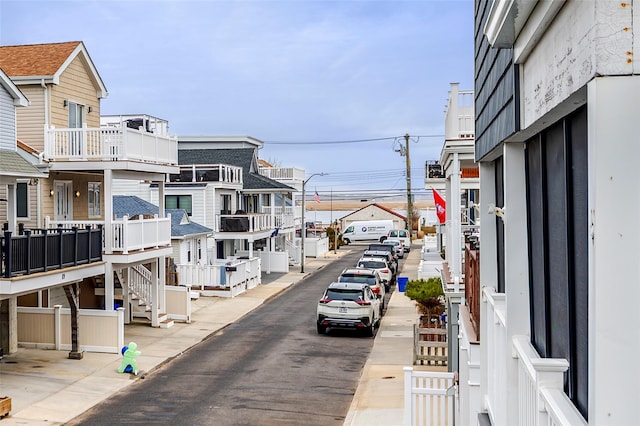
344 294
351 278
373 264
392 243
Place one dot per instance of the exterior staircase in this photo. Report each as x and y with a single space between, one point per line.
140 294
293 253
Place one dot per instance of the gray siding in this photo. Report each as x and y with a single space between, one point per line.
7 121
495 88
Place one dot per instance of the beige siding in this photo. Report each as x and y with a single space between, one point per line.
31 119
36 328
75 86
81 203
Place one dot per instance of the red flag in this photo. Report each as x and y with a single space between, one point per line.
441 209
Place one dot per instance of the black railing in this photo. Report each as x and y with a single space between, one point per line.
41 250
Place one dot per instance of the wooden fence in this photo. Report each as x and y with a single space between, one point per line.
430 346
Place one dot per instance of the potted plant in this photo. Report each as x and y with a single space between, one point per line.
429 298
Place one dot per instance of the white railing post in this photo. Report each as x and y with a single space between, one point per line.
124 235
407 418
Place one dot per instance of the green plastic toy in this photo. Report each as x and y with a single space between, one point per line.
129 355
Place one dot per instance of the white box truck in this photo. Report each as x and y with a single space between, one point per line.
363 230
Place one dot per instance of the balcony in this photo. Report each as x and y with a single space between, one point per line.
255 222
119 143
127 235
221 173
288 175
42 250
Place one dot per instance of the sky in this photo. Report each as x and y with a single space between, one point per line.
329 86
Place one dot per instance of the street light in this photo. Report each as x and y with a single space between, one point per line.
303 228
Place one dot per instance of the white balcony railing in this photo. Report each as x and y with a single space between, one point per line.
127 235
541 399
110 144
282 173
253 222
215 280
278 210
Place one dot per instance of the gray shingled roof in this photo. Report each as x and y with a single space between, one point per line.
12 164
132 206
240 157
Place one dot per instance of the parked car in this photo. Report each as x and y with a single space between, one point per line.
386 247
401 234
348 306
397 245
367 276
381 266
386 255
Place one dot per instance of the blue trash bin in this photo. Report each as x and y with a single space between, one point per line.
402 283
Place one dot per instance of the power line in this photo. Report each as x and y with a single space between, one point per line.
346 141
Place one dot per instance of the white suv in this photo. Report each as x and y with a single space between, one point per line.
348 306
380 266
366 276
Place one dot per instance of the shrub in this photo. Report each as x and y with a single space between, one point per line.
331 235
428 295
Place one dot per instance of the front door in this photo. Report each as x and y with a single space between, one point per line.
63 200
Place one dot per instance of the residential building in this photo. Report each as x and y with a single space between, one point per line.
17 175
219 186
73 205
557 94
373 211
456 178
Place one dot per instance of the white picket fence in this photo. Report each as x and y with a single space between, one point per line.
429 398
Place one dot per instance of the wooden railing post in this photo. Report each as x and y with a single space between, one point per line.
27 232
60 245
75 245
7 254
100 240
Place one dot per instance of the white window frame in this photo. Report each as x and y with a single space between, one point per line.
94 204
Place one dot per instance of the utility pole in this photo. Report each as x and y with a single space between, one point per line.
409 204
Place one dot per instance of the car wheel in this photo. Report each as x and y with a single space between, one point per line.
321 329
368 331
346 241
387 287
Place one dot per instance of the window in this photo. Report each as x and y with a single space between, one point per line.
94 193
556 176
76 113
22 200
225 204
178 202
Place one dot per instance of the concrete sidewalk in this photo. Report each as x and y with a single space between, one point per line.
48 388
379 398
